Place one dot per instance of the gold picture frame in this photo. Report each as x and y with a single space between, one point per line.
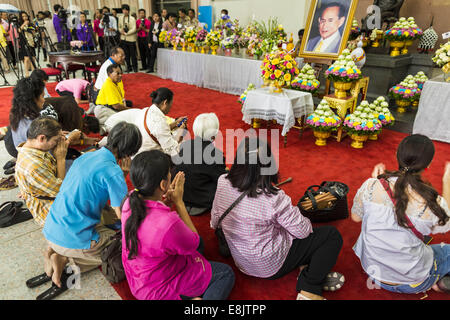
313 47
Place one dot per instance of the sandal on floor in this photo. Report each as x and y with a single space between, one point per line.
334 281
444 284
11 170
8 183
14 216
38 280
54 290
9 164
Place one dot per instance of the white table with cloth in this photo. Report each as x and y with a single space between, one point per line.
285 107
225 74
433 115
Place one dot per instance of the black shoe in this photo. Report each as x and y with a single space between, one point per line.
9 164
143 69
54 290
38 280
129 70
10 171
150 71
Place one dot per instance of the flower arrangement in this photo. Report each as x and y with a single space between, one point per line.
255 45
163 36
362 122
279 68
172 37
200 39
213 38
417 32
323 118
190 35
420 79
401 31
243 96
355 31
406 90
269 46
380 109
281 35
442 55
343 69
306 80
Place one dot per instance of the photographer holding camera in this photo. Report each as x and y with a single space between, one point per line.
109 25
60 24
143 28
128 37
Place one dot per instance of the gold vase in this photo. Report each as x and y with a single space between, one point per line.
396 45
402 104
358 141
175 45
377 43
341 88
408 43
256 123
321 137
203 49
415 103
213 50
373 137
183 47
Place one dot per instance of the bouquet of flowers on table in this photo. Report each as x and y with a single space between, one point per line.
343 69
243 96
380 109
213 40
306 80
355 31
442 59
269 46
227 44
280 35
279 69
76 46
420 78
200 39
163 37
405 90
190 36
172 37
255 46
323 121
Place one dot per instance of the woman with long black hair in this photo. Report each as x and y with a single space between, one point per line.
27 52
159 246
398 210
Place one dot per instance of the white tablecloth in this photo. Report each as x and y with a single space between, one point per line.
433 115
226 74
283 107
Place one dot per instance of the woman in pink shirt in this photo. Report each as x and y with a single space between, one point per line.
268 237
159 246
99 32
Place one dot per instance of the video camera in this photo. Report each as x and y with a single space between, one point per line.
106 19
125 28
143 22
62 15
14 19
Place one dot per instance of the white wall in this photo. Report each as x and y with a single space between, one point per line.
292 14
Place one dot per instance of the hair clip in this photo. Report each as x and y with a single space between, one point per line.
137 190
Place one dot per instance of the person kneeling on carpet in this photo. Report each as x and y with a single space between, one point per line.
76 88
39 173
202 164
111 98
159 246
399 210
267 236
75 227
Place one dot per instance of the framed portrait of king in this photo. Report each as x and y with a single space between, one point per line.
327 28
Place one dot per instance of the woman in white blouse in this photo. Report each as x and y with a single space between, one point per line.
152 122
392 244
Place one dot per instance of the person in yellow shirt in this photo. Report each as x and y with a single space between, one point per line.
111 98
3 53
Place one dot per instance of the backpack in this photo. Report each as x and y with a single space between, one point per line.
111 256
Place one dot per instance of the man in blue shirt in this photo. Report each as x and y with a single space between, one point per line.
75 226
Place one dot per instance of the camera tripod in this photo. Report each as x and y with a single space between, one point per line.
19 39
110 42
10 64
44 42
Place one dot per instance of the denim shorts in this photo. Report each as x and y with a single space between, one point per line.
440 268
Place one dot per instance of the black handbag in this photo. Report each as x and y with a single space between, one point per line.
329 211
224 250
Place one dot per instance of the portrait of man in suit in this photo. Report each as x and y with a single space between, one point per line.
331 18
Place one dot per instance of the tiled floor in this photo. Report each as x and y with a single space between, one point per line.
21 248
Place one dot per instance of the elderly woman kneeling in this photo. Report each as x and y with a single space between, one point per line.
202 164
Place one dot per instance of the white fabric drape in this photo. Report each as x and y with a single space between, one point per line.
284 107
432 119
226 74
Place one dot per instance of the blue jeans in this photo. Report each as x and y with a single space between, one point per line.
222 281
439 269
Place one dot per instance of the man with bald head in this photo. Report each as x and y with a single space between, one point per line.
332 18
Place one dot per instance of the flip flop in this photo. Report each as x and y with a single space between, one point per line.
8 183
11 170
38 280
334 281
9 164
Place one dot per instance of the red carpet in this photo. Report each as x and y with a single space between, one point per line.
302 160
